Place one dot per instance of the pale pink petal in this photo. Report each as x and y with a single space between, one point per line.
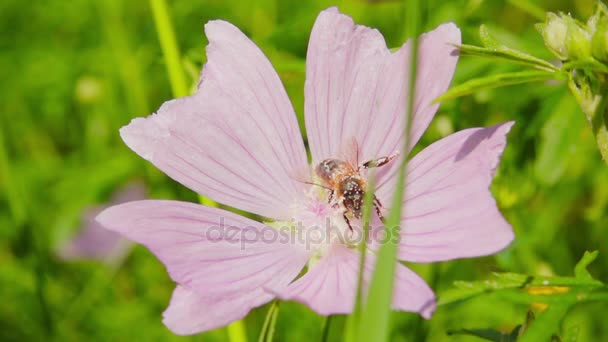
190 313
449 210
215 253
357 89
437 58
237 139
94 241
329 287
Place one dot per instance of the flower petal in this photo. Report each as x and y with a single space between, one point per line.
329 287
437 58
449 210
237 139
190 313
356 88
215 253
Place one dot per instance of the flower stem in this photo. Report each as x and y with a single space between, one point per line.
326 328
168 43
353 321
236 332
267 333
375 323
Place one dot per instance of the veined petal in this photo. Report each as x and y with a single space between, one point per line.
449 210
212 252
330 286
237 139
189 312
437 58
357 89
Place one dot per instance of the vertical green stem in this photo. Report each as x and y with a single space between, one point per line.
236 332
179 87
353 321
168 44
40 272
376 316
267 333
326 328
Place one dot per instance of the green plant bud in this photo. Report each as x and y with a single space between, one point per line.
578 40
597 25
554 32
599 42
600 14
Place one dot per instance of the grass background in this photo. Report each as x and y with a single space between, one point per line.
74 72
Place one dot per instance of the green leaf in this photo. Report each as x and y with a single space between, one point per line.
589 64
559 137
495 81
547 323
560 293
580 270
486 334
504 53
509 281
487 39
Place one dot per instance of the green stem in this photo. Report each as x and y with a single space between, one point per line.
353 321
40 271
376 316
168 44
326 328
267 333
590 93
236 332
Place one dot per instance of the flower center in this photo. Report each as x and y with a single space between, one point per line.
318 225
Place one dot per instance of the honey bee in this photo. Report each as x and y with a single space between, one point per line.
346 185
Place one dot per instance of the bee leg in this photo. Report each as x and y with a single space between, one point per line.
332 199
378 162
377 206
347 222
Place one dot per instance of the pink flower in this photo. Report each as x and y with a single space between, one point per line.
237 141
95 242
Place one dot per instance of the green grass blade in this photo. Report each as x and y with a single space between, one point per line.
168 43
354 320
375 322
267 333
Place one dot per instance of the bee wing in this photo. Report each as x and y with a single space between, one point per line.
301 175
349 151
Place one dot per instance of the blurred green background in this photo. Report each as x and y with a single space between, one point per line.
74 72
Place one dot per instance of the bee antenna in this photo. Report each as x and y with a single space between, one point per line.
311 183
